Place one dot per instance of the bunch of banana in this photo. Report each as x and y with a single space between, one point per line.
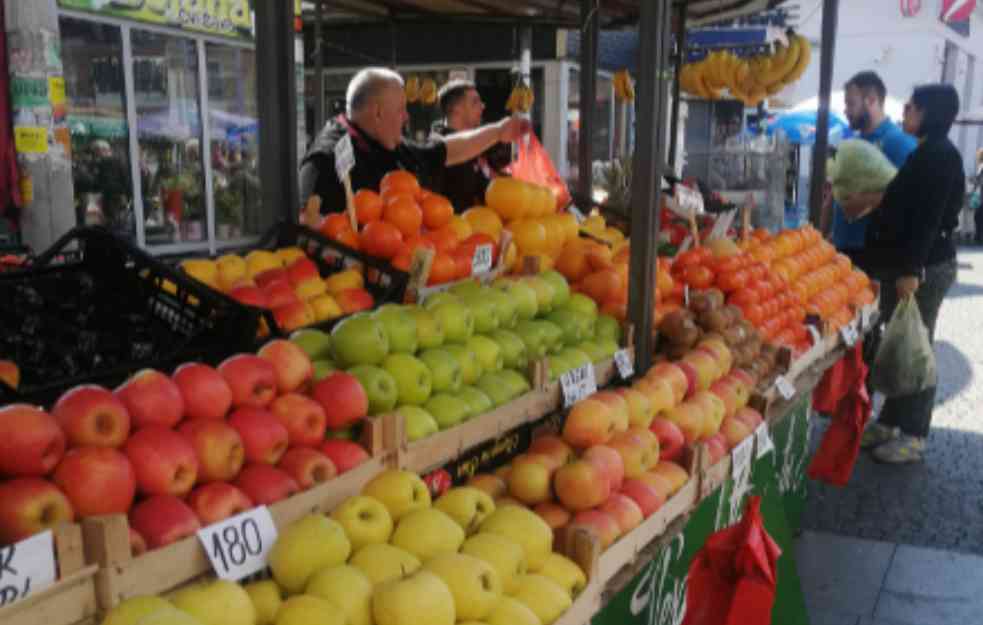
412 89
624 86
521 99
428 92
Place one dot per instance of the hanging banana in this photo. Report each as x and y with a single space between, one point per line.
428 92
412 89
521 99
624 86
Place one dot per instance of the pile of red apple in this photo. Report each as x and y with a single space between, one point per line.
178 452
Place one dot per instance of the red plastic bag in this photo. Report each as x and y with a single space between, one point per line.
842 394
732 578
535 165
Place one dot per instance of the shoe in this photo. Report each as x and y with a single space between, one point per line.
901 450
877 434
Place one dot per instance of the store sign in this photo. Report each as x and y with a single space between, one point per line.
956 14
226 18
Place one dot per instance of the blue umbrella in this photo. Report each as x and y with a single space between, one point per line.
800 127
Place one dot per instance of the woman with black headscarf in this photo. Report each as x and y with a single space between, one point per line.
913 253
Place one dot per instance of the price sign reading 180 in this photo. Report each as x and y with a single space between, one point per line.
239 546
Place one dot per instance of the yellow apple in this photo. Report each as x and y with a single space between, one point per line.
288 255
428 533
544 597
304 610
505 555
220 602
524 527
346 587
259 261
512 612
401 492
134 609
466 505
473 583
202 270
313 543
365 520
565 573
421 598
231 270
384 563
266 599
326 307
168 616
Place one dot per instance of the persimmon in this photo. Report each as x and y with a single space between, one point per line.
698 277
404 213
381 239
733 281
443 269
368 206
333 224
437 211
399 180
348 238
444 240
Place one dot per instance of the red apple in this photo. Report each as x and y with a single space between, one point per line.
307 467
601 524
354 300
745 377
706 367
675 474
345 454
30 505
552 446
97 480
268 277
265 485
675 376
609 462
648 498
294 315
164 462
206 393
303 417
671 439
292 364
692 376
734 431
580 485
639 449
343 398
217 501
742 392
163 519
726 391
491 484
555 516
301 270
663 483
589 423
250 296
138 546
264 437
618 406
624 511
92 416
31 443
280 293
218 448
716 446
152 398
751 417
252 380
689 418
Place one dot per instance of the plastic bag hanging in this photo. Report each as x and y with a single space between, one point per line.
535 165
905 361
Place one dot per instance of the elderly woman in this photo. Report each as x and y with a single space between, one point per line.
914 255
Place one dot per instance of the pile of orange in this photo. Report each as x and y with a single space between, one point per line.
403 217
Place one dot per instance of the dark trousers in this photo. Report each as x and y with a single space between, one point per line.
978 218
913 413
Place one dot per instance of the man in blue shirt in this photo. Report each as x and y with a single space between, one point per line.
864 98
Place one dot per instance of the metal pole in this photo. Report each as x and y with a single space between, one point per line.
830 16
646 186
589 33
318 66
677 68
525 54
277 109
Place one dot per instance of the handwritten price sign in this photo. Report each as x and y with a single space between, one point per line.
482 259
27 567
578 384
239 546
626 366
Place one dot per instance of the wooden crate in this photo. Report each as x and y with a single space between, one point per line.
121 575
69 601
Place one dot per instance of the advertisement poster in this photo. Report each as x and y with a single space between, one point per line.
224 18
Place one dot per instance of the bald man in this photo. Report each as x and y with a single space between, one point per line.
376 115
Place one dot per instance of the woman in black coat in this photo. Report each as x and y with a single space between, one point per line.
913 254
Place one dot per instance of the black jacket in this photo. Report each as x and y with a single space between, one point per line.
465 184
913 227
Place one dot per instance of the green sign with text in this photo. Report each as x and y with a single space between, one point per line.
225 18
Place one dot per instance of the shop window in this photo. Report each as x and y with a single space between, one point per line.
93 66
233 115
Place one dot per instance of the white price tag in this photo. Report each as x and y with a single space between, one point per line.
741 457
239 546
482 259
688 201
763 440
850 334
344 157
27 567
785 388
578 384
625 364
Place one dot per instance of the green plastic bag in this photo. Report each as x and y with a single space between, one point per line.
905 361
859 167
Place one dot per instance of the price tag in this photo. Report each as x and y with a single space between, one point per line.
27 567
867 316
625 364
741 457
849 334
688 201
344 157
578 215
578 384
482 259
239 546
785 388
763 440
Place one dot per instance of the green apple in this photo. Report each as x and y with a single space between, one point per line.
316 344
323 368
379 386
582 303
593 351
417 422
445 370
400 328
609 346
429 332
552 333
437 299
484 311
448 410
558 366
471 368
533 337
414 382
496 387
478 402
513 349
516 382
544 293
506 308
607 327
467 287
359 340
560 286
569 323
488 352
456 319
575 357
524 296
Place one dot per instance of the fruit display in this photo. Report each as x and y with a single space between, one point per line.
749 80
176 452
391 556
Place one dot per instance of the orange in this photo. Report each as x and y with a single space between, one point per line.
402 261
485 220
368 206
508 197
404 213
443 269
381 239
572 261
444 240
437 211
333 224
349 239
399 180
530 236
601 285
460 227
410 244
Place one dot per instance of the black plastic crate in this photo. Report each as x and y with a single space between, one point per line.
95 309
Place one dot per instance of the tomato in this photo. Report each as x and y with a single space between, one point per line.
743 297
688 258
725 264
754 314
698 277
733 281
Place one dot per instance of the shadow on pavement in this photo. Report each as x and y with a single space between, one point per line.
955 372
